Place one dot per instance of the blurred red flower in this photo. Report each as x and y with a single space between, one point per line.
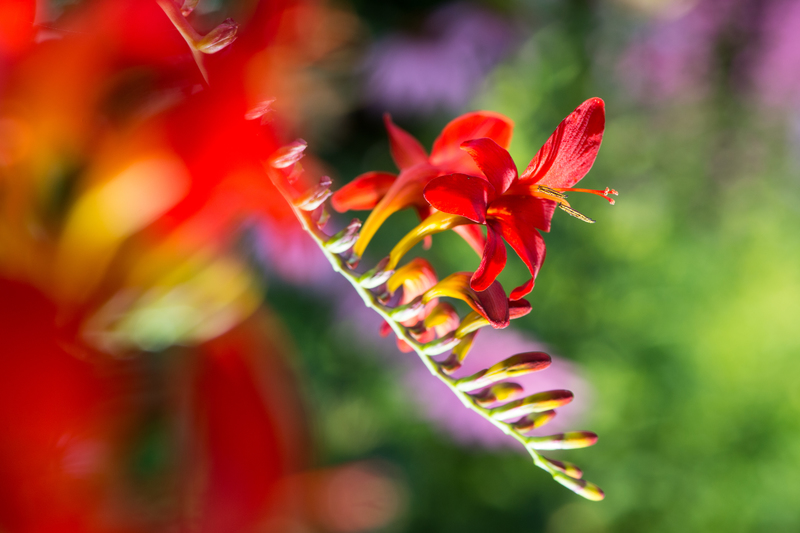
142 388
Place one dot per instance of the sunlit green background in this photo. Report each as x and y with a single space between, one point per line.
680 305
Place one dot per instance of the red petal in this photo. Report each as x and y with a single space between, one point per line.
459 194
403 346
474 237
17 30
406 150
493 305
570 151
492 263
530 210
494 161
447 153
518 308
404 192
363 193
517 218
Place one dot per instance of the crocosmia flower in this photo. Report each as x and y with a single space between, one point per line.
386 193
514 208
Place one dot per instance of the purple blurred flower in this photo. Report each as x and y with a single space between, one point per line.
286 251
776 74
681 57
671 57
440 70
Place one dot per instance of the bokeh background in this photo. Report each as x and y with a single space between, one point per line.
674 317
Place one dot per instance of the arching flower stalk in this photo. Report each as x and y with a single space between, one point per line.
409 297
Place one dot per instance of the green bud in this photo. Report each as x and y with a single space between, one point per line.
345 239
516 365
535 403
404 312
562 441
565 467
377 276
314 197
439 346
502 392
532 421
588 490
218 38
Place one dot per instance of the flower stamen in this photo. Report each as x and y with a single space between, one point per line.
559 192
576 214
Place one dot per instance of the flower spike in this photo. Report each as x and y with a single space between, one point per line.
515 208
466 182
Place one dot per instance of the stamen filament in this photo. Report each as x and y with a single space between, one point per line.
604 193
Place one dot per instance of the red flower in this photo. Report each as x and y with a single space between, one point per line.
387 193
513 207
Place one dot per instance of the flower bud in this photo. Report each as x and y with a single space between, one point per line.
377 276
415 277
472 322
288 155
563 441
516 365
439 346
450 365
588 490
532 421
460 351
502 392
535 403
345 239
320 216
314 197
260 110
218 38
443 318
405 312
492 303
565 467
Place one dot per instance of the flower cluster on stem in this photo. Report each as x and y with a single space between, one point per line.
469 180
